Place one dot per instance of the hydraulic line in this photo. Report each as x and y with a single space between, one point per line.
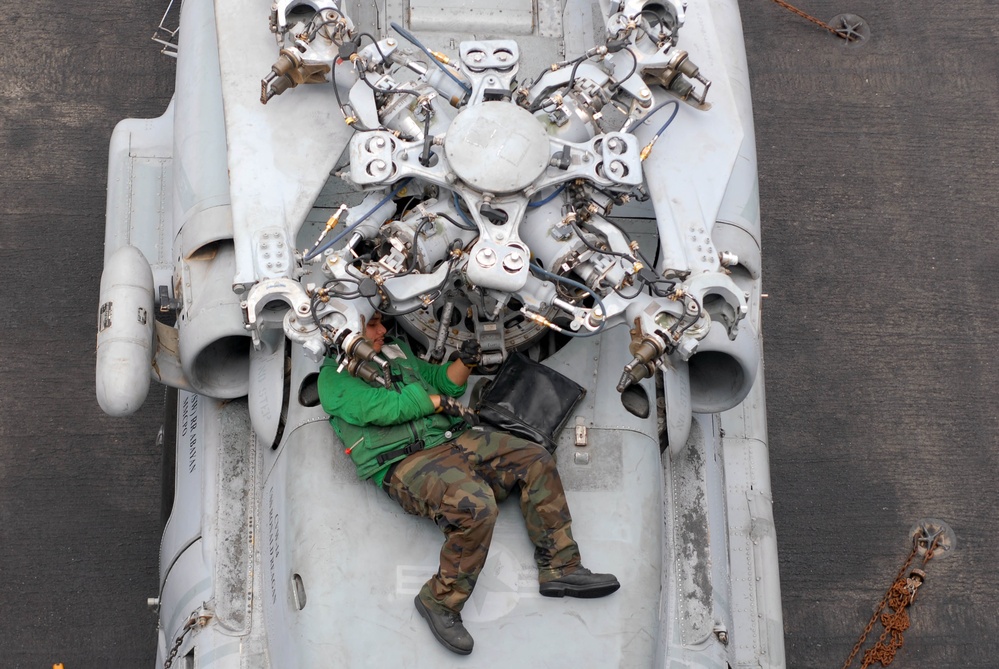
575 284
316 251
409 37
547 199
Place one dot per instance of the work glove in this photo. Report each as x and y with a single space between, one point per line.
452 407
470 353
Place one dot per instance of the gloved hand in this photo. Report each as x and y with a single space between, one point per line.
452 407
470 353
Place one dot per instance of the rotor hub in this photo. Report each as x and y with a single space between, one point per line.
497 147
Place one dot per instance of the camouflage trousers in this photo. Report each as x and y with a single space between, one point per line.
458 484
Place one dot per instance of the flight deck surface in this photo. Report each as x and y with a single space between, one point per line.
877 185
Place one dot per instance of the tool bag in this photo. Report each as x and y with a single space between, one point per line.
529 400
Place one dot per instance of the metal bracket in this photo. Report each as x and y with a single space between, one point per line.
936 533
490 66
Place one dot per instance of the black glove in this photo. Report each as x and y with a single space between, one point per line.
470 353
452 407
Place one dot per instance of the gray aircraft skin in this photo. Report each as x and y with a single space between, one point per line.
559 178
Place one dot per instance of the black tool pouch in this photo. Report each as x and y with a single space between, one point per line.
529 400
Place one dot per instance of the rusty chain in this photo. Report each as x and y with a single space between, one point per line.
808 17
192 620
900 595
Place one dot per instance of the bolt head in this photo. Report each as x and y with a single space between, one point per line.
486 257
513 262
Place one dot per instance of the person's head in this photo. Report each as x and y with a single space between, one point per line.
374 331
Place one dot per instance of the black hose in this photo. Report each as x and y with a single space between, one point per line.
419 45
575 284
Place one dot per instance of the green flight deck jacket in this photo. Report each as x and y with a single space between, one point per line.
376 424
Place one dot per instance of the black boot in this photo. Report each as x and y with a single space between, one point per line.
447 627
581 583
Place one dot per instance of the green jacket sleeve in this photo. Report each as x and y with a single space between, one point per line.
357 403
435 375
